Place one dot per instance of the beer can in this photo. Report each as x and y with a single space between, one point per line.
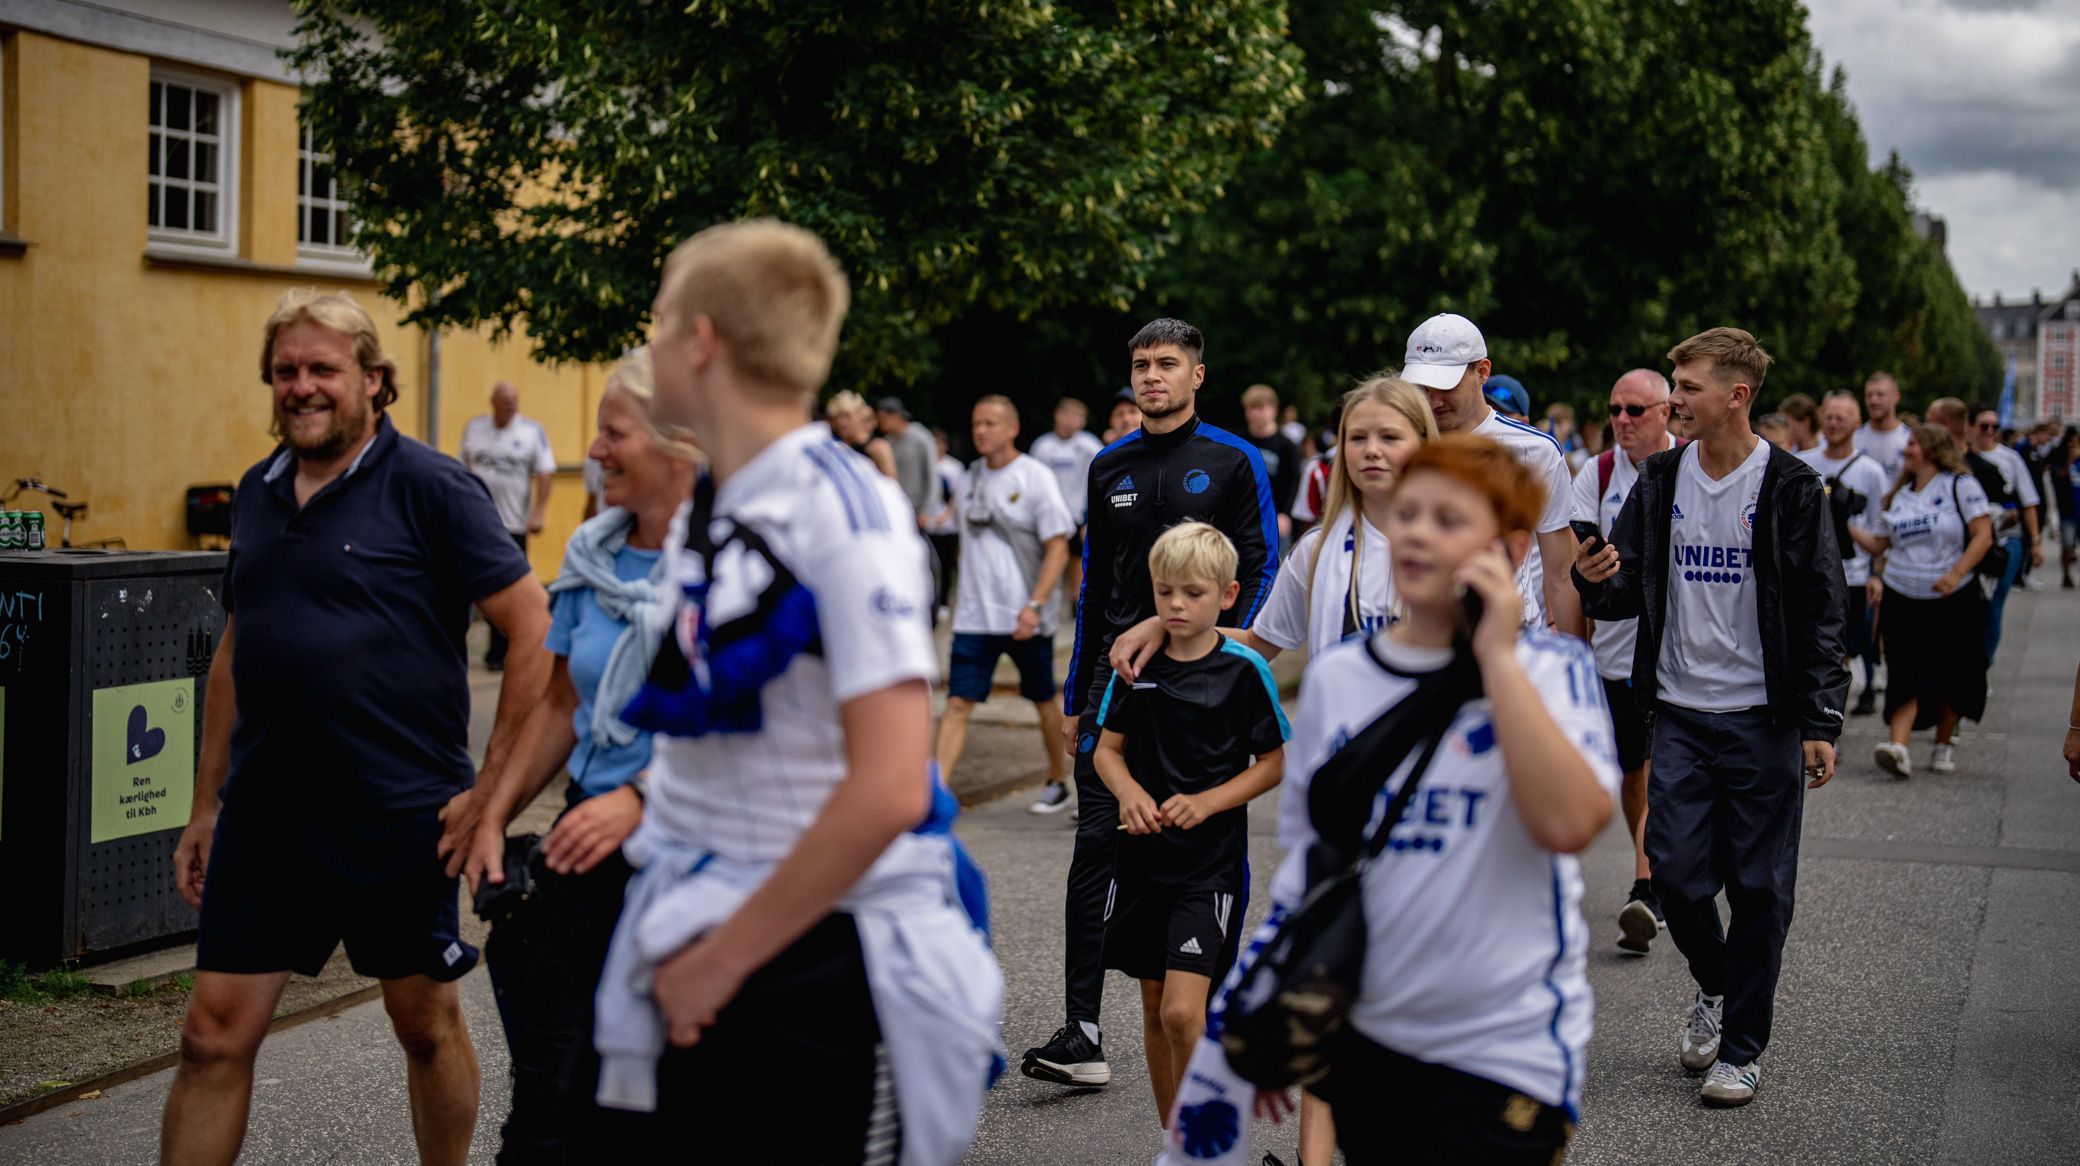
10 530
32 530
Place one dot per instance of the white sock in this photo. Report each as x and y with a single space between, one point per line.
1090 1030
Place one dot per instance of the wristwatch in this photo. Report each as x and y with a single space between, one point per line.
1035 605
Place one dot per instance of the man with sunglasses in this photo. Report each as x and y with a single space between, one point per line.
1639 430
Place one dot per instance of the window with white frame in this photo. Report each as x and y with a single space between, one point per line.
191 194
322 227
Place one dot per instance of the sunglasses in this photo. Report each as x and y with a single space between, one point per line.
1989 426
1632 410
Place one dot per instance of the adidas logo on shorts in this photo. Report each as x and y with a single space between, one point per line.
1191 947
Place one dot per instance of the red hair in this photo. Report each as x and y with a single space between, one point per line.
1485 467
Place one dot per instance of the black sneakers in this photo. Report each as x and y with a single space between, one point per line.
1640 919
1069 1058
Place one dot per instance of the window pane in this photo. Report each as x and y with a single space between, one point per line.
205 211
177 98
303 177
152 151
313 223
340 235
206 163
205 112
158 104
176 214
177 157
321 178
151 204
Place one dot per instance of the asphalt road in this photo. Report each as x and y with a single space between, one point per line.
1925 1015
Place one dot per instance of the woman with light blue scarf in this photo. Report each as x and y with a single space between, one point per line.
607 616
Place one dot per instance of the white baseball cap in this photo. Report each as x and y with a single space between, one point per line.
1440 349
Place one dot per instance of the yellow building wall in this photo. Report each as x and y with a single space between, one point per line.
127 381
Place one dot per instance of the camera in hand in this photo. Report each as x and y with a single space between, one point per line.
499 902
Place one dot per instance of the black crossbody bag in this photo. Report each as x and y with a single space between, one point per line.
1289 1006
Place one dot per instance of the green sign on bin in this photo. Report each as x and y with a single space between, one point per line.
144 758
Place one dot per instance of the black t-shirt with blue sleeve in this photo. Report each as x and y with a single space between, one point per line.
347 651
1190 725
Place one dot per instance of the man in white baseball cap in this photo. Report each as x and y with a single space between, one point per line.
1448 357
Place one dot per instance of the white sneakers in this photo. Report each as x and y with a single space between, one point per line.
1701 1032
1725 1083
1729 1084
1892 758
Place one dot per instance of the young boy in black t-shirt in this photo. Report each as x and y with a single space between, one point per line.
1176 750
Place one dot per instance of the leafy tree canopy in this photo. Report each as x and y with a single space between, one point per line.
1591 181
533 160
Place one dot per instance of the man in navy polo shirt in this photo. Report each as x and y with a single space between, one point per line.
333 794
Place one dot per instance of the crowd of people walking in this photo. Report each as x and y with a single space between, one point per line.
1515 632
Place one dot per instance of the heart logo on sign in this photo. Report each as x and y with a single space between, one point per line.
144 741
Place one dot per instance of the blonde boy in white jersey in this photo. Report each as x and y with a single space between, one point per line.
796 906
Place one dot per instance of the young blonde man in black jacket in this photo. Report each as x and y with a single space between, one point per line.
1724 554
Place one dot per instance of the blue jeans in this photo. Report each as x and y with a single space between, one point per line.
1999 601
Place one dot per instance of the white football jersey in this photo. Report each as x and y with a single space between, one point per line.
1476 948
820 579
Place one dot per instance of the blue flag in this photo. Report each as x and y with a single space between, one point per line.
2007 405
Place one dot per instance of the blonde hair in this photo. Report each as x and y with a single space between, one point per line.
1399 395
1192 550
633 378
339 312
1730 351
774 293
1259 395
843 403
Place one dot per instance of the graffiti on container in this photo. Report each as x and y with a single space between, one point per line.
21 618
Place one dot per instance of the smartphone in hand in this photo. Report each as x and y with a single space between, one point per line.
1586 532
1471 608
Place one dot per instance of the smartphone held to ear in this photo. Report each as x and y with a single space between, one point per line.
1471 608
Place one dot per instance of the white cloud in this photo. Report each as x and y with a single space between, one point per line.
1982 100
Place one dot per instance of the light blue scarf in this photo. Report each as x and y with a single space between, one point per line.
640 605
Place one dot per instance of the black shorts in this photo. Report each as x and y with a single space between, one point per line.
277 899
1076 543
1628 723
1394 1108
1151 929
791 1071
972 665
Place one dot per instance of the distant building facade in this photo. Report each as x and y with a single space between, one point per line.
2058 355
2013 327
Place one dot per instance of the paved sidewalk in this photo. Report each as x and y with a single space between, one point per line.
1925 1013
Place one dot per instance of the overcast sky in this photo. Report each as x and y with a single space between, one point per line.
1982 99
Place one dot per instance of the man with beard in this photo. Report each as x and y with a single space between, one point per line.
1175 468
334 794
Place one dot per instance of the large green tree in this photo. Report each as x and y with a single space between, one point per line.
531 161
1591 180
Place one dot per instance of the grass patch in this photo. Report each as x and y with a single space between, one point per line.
15 983
59 983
